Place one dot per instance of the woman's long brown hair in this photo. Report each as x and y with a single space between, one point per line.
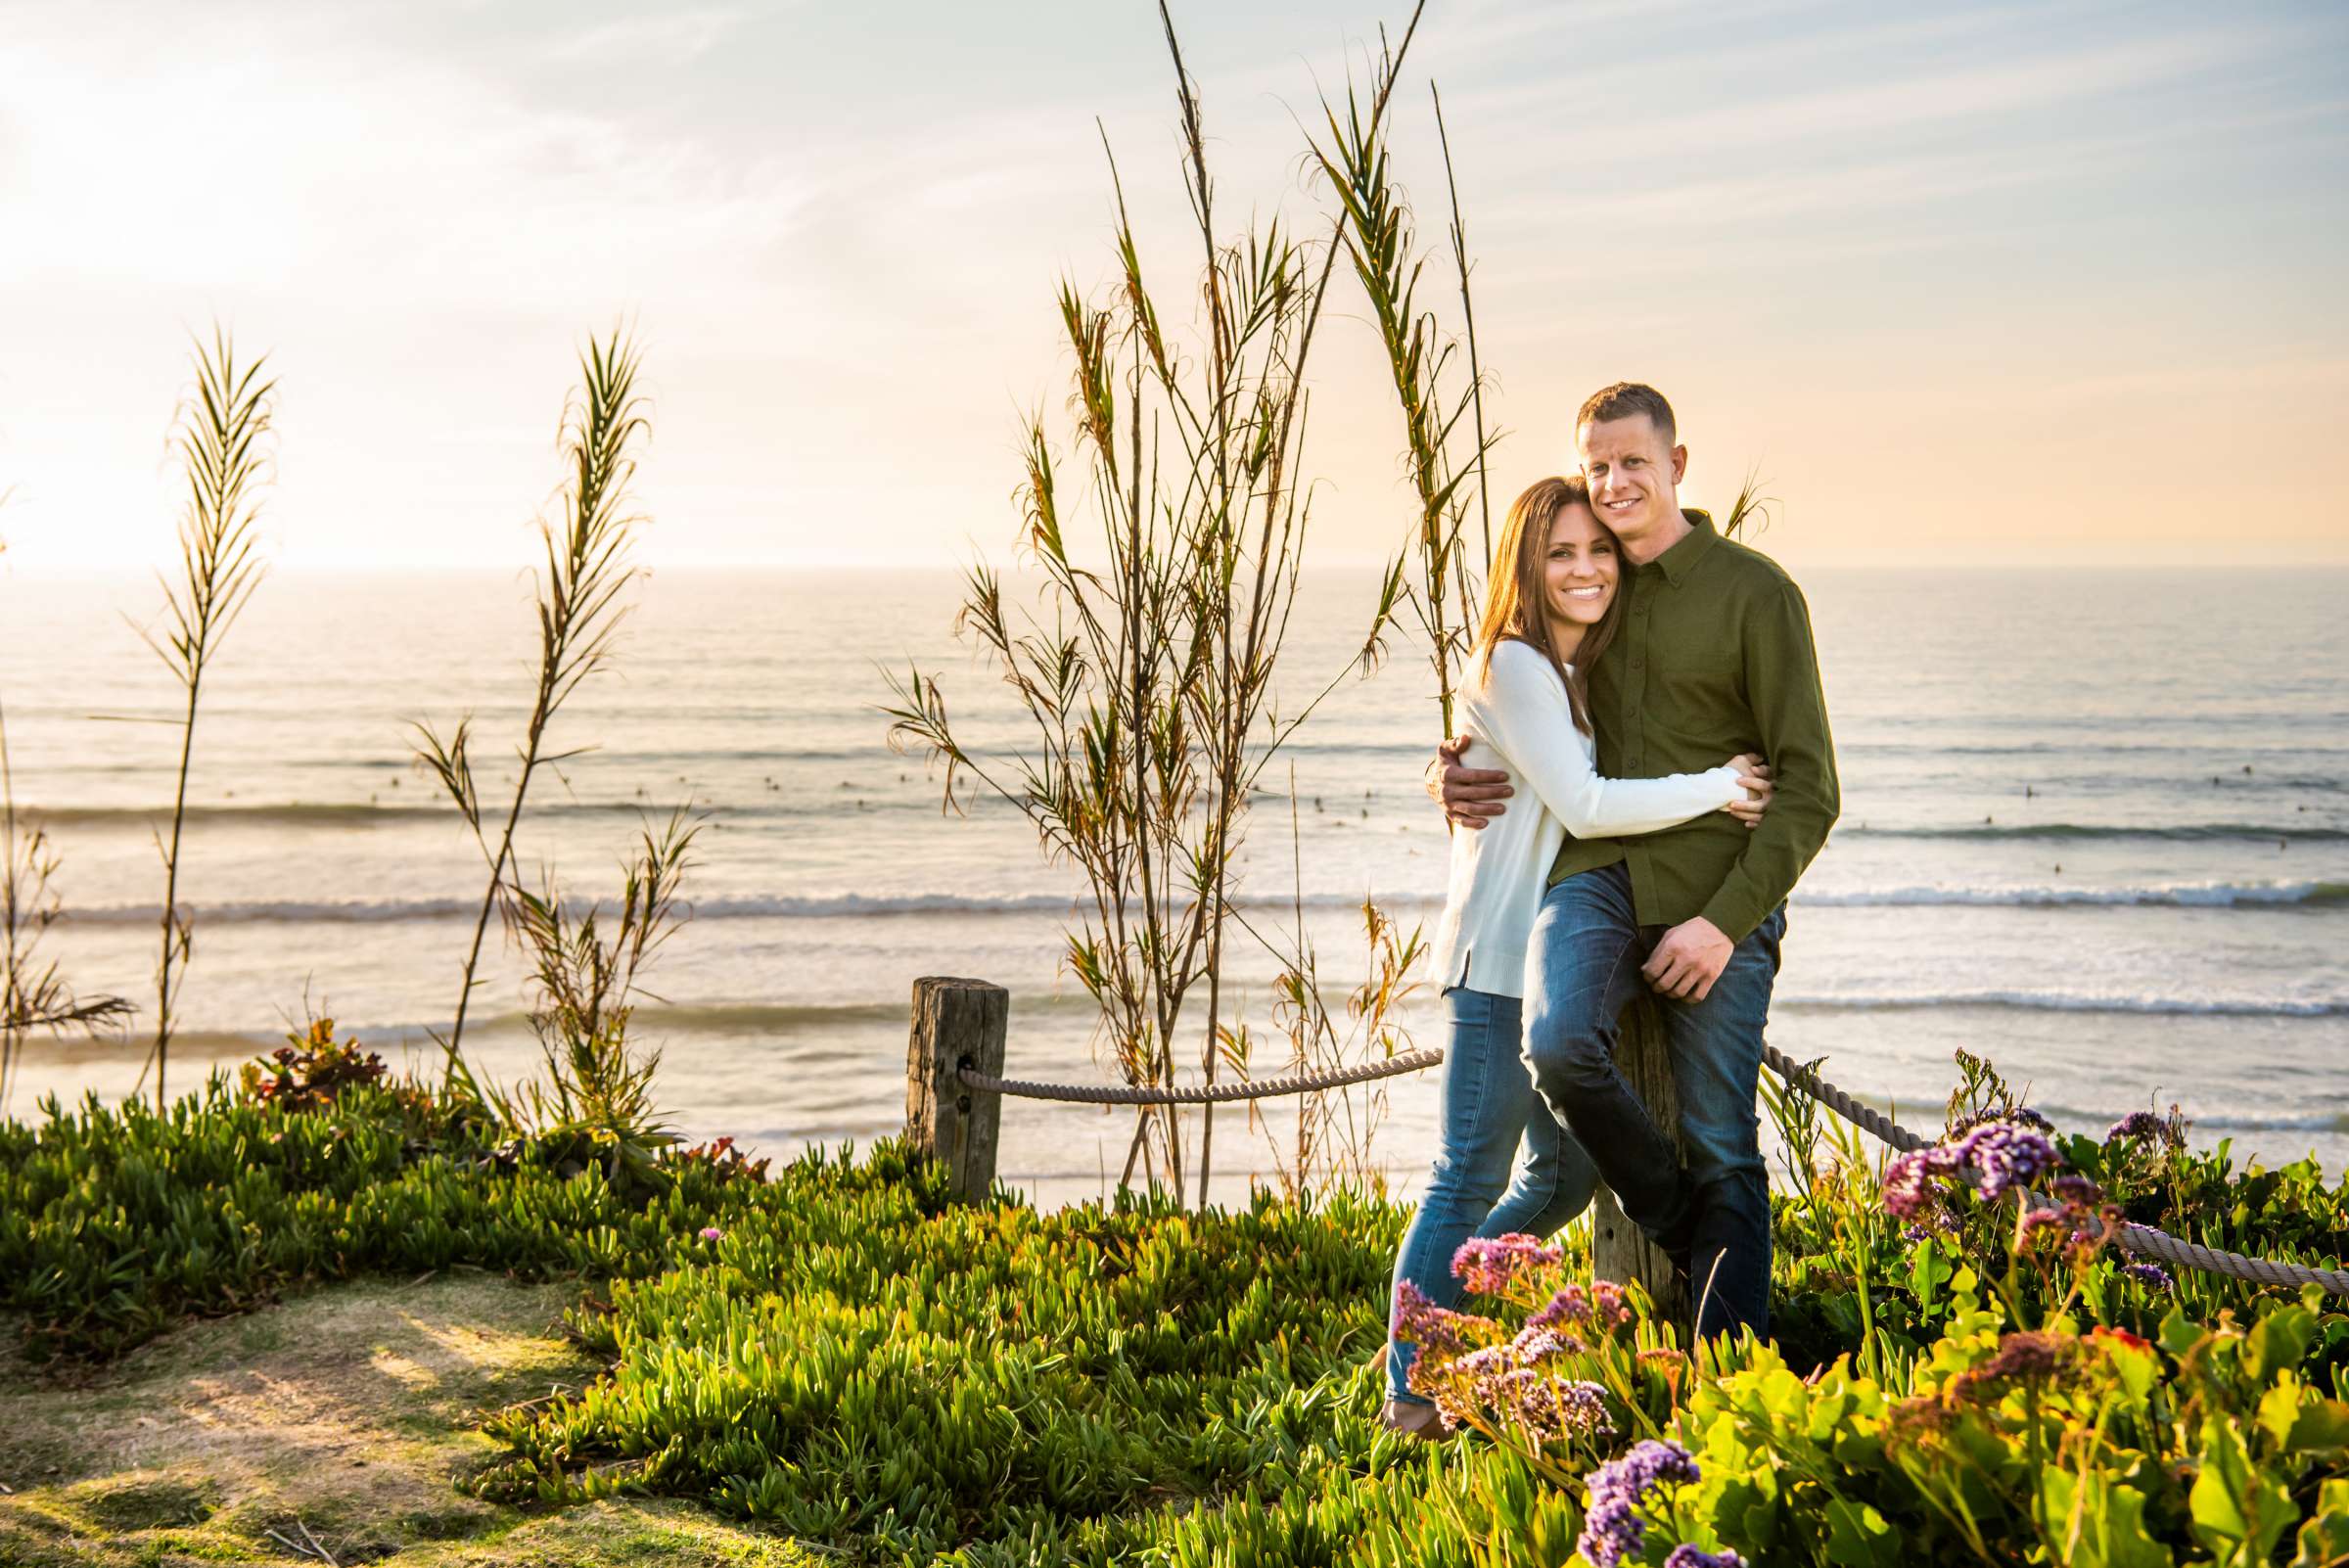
1514 598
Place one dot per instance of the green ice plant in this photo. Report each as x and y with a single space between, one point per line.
218 444
892 1375
580 613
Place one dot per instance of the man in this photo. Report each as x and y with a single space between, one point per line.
1714 658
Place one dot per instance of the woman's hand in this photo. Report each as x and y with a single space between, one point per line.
1754 775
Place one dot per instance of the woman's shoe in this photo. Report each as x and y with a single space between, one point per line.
1411 1419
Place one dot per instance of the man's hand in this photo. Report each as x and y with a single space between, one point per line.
1468 795
1690 958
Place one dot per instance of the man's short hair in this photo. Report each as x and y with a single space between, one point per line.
1624 399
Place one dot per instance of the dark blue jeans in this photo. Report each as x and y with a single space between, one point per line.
1490 1114
1713 1215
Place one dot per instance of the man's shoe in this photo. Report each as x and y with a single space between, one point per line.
1413 1419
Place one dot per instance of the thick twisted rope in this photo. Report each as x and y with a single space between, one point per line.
2141 1240
1245 1089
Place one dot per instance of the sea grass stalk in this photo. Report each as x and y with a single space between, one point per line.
1476 371
32 994
1353 155
218 445
579 614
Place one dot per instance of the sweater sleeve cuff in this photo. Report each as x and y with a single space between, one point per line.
1733 915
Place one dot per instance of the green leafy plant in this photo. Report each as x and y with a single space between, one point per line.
595 1103
310 1071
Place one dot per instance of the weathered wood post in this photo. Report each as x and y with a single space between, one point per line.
956 1024
1618 1249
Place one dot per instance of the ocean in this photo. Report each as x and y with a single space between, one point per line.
2096 827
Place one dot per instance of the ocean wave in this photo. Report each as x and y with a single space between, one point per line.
375 911
2181 833
2337 1122
2175 894
2071 1002
288 813
861 905
829 801
2319 1121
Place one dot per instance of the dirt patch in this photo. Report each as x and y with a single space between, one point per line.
348 1412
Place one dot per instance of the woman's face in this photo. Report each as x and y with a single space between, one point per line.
1579 573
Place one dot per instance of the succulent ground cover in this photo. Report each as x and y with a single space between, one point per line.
831 1354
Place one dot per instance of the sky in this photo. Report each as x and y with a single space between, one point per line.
1986 285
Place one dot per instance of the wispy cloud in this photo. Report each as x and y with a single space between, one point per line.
668 38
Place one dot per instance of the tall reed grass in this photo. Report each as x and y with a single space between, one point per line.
579 614
1434 576
1149 677
217 442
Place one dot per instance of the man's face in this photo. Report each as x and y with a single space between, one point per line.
1634 477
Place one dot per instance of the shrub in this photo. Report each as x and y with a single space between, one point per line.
308 1072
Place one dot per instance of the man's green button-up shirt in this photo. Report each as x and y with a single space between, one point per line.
1713 657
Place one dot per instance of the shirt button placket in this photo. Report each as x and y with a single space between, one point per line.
1635 751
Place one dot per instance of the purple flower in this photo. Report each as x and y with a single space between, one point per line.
1998 1156
2135 1124
2005 1157
1612 1528
1571 1305
1419 1322
1686 1556
1487 1263
1534 1345
710 1233
2077 1192
1908 1177
2150 1274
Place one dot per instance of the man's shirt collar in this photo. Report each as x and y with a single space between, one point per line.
1681 560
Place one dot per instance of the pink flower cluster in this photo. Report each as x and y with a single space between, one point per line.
1502 1380
1435 1330
1600 1307
1487 1265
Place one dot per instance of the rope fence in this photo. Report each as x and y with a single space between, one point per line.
961 1123
1244 1089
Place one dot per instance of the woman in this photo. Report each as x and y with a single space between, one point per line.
1554 606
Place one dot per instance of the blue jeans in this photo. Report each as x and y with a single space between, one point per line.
1712 1217
1488 1112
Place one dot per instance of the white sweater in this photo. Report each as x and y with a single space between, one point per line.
1522 723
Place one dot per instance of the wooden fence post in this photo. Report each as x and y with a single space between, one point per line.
1618 1249
956 1024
